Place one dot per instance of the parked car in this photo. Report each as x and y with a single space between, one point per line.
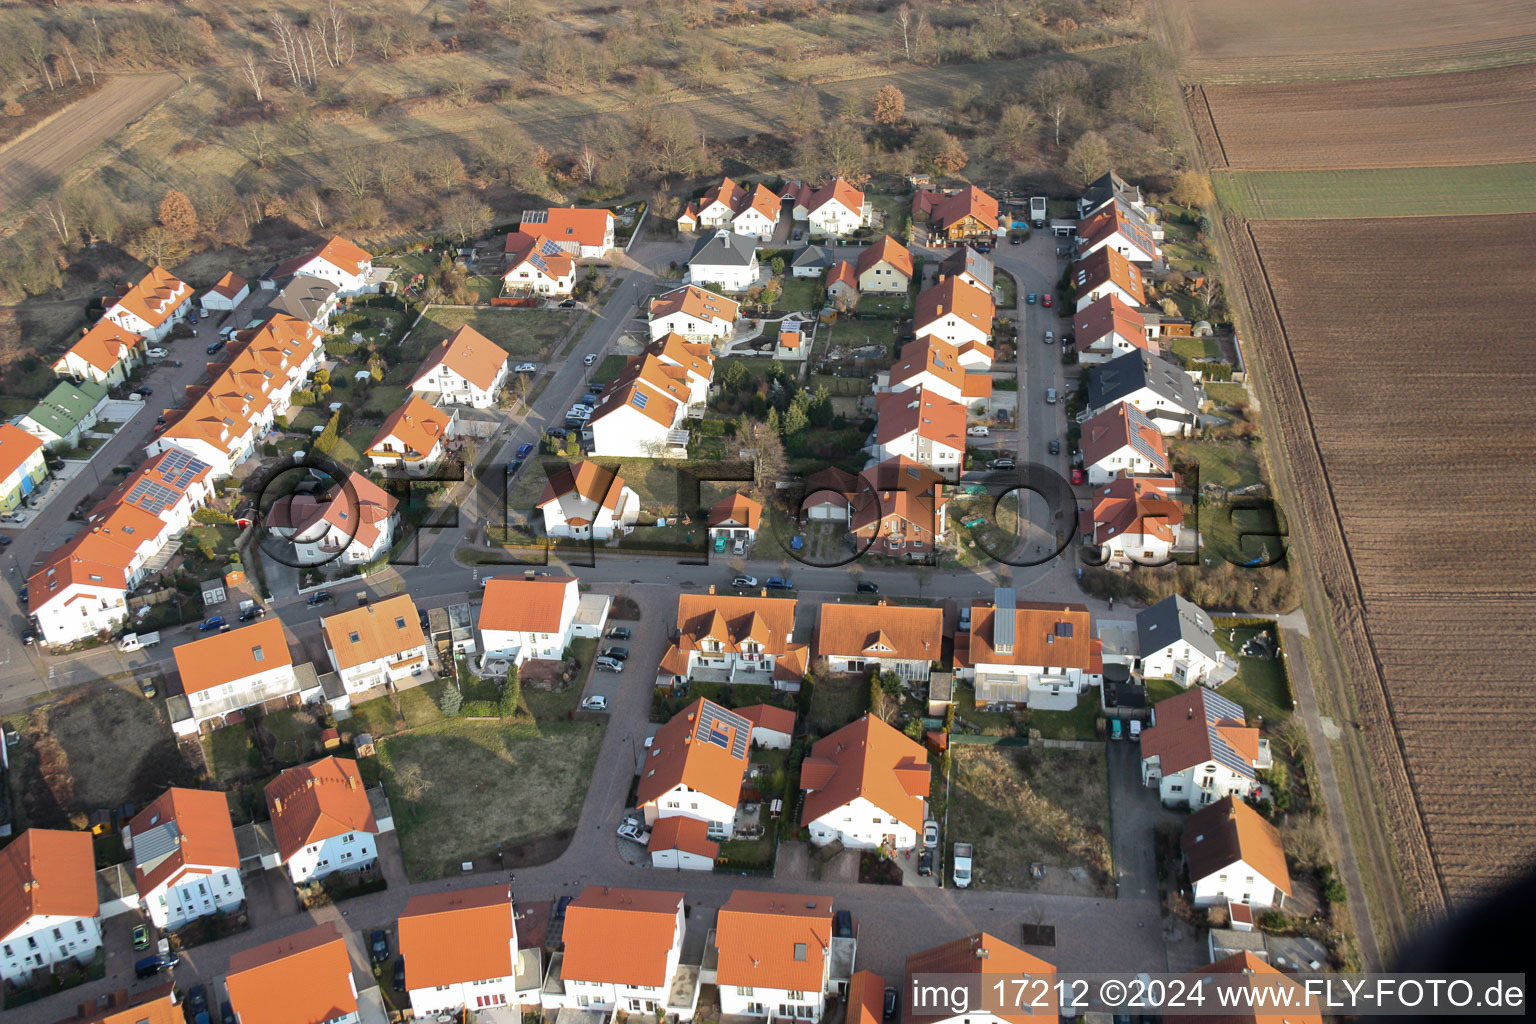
977 432
526 368
930 833
779 583
13 517
609 664
1001 464
145 391
214 346
925 863
744 581
1050 395
149 966
226 1013
525 449
842 924
378 945
156 353
5 542
513 467
568 304
197 999
588 360
629 828
140 936
892 1005
1050 337
320 598
619 633
866 587
1054 447
1077 476
798 235
400 974
148 689
26 589
1046 300
212 623
616 653
1032 298
252 613
596 703
555 432
28 638
1015 240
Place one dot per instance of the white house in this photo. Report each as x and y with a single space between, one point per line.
150 308
523 618
1107 328
537 265
904 639
750 210
466 369
925 427
642 411
1235 856
695 766
105 354
1177 640
1161 389
639 982
724 261
866 786
226 294
1104 272
837 210
772 727
757 213
985 963
587 500
1121 440
65 414
352 525
305 977
376 645
955 312
1200 749
735 517
313 300
1116 226
586 234
682 844
242 668
1039 655
968 266
322 820
735 639
938 368
693 313
773 955
413 439
1132 520
338 261
185 860
460 952
48 907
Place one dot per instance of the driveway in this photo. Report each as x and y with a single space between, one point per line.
1134 811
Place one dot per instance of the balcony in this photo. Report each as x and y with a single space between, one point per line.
1266 759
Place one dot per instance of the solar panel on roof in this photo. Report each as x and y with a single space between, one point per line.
1223 754
1064 629
1003 619
725 729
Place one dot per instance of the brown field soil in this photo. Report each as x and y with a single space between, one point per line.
1417 121
39 159
1411 443
1252 41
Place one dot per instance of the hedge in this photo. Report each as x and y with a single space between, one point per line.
1212 371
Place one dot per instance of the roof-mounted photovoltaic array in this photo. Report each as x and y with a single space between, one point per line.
724 729
1004 618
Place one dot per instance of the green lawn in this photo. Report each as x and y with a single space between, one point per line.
1226 394
523 333
1378 192
1260 685
888 305
609 368
854 333
1197 348
1161 689
230 752
1231 464
1005 291
898 214
1239 535
1077 724
800 294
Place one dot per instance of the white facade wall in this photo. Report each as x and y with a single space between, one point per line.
80 368
255 688
193 893
932 384
863 826
1125 458
1196 786
374 673
918 671
604 522
1238 882
592 994
954 330
518 646
941 458
835 219
715 215
724 279
1088 298
339 853
45 939
689 327
680 801
753 223
777 1002
1179 661
477 995
79 611
346 284
1118 242
1110 346
1129 547
681 860
625 430
457 390
530 277
213 300
138 325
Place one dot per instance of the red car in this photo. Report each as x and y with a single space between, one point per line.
1046 300
1077 476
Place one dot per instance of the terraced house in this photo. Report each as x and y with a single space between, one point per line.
460 952
774 955
22 465
304 978
67 412
728 638
693 313
466 369
229 672
379 644
641 412
955 312
185 861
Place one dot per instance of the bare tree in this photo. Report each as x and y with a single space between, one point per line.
295 52
586 159
1057 112
56 214
253 72
464 215
253 141
337 40
308 199
904 20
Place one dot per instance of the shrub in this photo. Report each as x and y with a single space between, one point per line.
451 702
303 397
340 349
213 516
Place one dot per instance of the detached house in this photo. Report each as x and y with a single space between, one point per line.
751 210
642 411
305 978
1106 328
587 234
1177 640
587 500
1200 749
938 367
903 639
1037 655
725 261
105 354
1159 388
899 508
733 639
812 261
968 266
1132 520
228 672
694 313
885 267
1116 226
338 261
1122 441
412 439
527 618
985 962
1105 272
966 214
635 976
842 285
773 955
1235 856
322 819
735 518
150 308
353 524
185 861
22 465
48 907
955 312
836 210
926 428
866 786
537 265
695 766
379 644
466 369
460 952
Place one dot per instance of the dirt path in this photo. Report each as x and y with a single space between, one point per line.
39 159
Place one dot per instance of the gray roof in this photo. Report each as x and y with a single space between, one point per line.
1173 618
966 260
303 297
67 405
813 256
1123 376
724 249
1106 187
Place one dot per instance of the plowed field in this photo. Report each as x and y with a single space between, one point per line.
1404 356
1417 121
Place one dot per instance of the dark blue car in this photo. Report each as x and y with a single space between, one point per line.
524 450
211 623
779 583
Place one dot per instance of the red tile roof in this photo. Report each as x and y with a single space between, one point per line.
525 605
229 285
677 756
896 494
469 354
336 251
766 716
1044 635
316 801
1108 314
1111 219
304 978
157 1005
227 657
929 354
868 759
732 619
866 992
1222 833
738 509
1105 266
46 873
523 247
382 629
968 202
689 835
1118 426
647 920
953 296
154 297
932 416
1255 973
838 191
1134 506
103 346
887 250
900 632
842 272
448 938
418 425
583 227
773 940
1183 736
205 837
587 481
16 447
989 959
699 303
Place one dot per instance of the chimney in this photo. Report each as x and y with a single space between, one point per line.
277 805
711 588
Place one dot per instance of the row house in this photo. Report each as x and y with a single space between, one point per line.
22 465
751 210
48 908
413 439
379 644
585 234
695 767
588 501
461 954
185 861
322 819
731 638
1200 749
1107 328
725 261
225 420
927 429
958 216
312 300
159 1004
941 368
694 313
639 975
882 637
150 308
105 354
774 954
337 261
1025 654
304 978
523 618
231 671
955 312
1118 227
536 265
81 588
866 786
466 369
1234 856
1131 520
351 524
